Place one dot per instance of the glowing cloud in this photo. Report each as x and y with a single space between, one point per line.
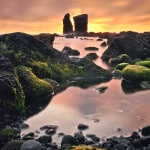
35 16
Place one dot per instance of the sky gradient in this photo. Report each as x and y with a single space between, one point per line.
45 16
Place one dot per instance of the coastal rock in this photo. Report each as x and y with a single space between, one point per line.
69 51
13 145
31 145
48 39
131 43
122 58
68 141
11 92
82 126
103 44
67 25
146 131
81 23
92 48
91 56
136 73
44 139
34 87
79 137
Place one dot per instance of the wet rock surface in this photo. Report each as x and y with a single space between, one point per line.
133 44
137 140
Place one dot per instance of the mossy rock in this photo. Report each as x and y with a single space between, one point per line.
34 87
136 73
122 58
117 74
11 93
84 147
42 69
6 134
13 145
121 66
144 63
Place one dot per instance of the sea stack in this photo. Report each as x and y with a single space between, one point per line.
81 23
67 25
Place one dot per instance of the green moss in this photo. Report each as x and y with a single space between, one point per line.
122 58
6 133
84 147
136 73
13 145
121 66
33 86
143 63
42 69
3 46
12 97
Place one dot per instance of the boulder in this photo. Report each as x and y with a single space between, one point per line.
11 93
13 145
91 48
34 87
131 43
68 141
31 145
136 73
146 131
81 23
48 39
67 25
69 51
122 58
91 56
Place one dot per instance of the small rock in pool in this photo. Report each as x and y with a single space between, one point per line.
82 126
101 89
24 126
46 127
146 131
50 131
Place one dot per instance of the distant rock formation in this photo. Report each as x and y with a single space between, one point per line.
81 23
67 25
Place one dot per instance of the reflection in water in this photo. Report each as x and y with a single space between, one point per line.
112 109
130 87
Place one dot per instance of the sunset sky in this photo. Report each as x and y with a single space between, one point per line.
45 16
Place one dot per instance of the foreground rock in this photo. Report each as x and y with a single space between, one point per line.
135 141
11 92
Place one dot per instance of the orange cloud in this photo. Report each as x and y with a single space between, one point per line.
35 16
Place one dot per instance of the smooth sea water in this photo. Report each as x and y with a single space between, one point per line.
107 114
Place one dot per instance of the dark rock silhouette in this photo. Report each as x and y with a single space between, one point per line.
133 44
81 23
67 25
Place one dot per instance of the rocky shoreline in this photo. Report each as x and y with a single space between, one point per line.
138 140
32 71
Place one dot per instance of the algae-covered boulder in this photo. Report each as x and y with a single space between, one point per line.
145 63
6 134
122 58
136 73
34 87
121 66
133 44
11 92
13 145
